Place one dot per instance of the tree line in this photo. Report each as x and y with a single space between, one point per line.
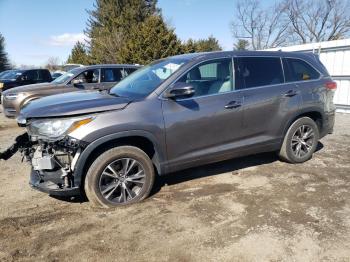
257 26
132 31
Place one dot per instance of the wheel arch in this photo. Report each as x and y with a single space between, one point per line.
140 139
313 113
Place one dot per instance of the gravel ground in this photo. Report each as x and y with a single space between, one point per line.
248 209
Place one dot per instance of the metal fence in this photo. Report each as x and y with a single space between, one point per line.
335 55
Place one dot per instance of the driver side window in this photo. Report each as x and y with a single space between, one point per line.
212 77
89 76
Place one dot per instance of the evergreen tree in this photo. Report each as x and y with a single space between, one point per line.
78 55
242 44
190 46
149 41
110 24
202 45
4 61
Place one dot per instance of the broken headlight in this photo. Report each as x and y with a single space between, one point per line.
57 128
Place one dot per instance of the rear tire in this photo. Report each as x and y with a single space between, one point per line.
120 176
300 141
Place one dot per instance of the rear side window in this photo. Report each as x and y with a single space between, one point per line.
32 75
298 70
258 71
111 74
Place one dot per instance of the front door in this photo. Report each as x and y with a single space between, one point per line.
87 80
206 126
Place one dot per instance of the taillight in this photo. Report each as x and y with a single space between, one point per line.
331 85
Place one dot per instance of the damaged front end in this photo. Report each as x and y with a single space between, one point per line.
53 165
52 154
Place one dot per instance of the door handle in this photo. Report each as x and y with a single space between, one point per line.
290 93
233 104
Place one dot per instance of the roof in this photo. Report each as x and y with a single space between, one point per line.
220 54
110 65
334 44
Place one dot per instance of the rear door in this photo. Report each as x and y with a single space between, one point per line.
204 127
268 100
305 78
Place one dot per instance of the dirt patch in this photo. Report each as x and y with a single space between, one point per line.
248 209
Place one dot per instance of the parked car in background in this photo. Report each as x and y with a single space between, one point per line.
3 73
98 77
20 77
15 78
57 74
177 113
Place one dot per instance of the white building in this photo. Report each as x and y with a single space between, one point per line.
335 55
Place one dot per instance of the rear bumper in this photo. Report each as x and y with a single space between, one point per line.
49 182
328 124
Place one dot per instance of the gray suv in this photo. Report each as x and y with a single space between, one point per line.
173 114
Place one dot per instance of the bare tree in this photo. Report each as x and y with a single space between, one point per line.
263 27
315 21
52 63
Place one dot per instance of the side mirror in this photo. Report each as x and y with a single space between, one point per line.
180 90
77 83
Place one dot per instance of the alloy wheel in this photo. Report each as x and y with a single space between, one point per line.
302 141
122 180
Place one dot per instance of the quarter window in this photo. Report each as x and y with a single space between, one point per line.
258 71
210 77
298 70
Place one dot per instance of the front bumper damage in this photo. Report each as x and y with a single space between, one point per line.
52 163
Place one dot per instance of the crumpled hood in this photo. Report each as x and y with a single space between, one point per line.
74 103
32 87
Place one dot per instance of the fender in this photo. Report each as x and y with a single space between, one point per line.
159 158
27 100
302 111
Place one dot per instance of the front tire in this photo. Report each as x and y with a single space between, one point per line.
120 176
300 141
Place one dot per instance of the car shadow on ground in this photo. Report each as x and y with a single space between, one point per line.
218 168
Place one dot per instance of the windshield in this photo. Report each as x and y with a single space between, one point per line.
65 77
11 74
145 80
2 74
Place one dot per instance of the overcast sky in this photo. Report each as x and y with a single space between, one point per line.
35 30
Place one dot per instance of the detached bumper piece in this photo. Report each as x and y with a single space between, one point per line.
21 142
49 182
